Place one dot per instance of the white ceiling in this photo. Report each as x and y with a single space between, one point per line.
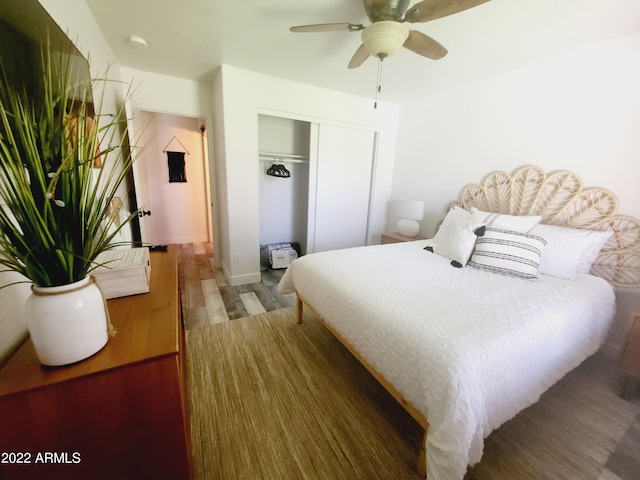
190 38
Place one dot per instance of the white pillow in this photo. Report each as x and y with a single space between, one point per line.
460 212
477 218
455 238
569 251
501 221
598 239
509 253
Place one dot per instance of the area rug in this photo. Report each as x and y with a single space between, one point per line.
272 399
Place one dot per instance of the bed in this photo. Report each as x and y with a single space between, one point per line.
460 333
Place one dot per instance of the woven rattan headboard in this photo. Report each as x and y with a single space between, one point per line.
559 197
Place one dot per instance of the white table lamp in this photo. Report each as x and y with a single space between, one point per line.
409 212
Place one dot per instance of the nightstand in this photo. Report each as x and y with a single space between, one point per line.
395 237
630 357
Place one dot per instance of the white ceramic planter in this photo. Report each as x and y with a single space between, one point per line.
67 323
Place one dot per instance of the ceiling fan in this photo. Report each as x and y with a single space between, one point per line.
387 32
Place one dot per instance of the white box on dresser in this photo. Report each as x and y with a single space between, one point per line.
123 272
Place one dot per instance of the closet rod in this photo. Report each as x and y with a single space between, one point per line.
280 157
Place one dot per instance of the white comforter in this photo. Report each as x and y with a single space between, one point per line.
467 348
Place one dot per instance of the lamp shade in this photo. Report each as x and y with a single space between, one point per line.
412 209
409 211
382 39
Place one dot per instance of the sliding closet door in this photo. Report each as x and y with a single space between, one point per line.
344 166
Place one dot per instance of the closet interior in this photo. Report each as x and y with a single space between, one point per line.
316 183
284 189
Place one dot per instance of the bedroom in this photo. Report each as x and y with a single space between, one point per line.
575 111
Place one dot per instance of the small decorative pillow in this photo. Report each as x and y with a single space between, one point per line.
569 251
461 213
508 253
455 238
515 223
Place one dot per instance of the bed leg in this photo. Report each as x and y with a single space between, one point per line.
299 310
422 458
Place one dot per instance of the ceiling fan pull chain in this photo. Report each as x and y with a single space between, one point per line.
378 83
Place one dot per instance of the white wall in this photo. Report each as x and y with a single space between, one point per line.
578 112
283 135
242 95
154 92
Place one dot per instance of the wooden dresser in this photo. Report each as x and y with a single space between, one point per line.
121 414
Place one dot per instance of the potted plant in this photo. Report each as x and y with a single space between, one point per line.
56 186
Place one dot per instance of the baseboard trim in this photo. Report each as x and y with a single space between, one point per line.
179 240
235 280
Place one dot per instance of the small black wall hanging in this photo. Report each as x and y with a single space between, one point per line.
176 167
176 162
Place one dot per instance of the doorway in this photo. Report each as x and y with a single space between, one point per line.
173 180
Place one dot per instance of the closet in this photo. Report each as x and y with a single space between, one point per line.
345 159
315 183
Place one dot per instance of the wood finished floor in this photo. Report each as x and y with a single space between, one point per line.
207 298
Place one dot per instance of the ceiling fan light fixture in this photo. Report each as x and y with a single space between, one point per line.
383 39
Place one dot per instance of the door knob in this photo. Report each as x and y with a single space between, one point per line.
142 213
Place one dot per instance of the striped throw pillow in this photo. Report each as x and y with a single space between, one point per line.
508 253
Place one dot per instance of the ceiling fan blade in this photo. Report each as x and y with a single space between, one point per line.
359 57
328 27
433 9
424 45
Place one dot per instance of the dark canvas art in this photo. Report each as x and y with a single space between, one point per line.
176 167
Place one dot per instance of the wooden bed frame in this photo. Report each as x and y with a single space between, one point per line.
413 411
560 199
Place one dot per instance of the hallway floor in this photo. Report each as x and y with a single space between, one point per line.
207 298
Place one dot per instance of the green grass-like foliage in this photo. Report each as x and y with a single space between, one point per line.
54 220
